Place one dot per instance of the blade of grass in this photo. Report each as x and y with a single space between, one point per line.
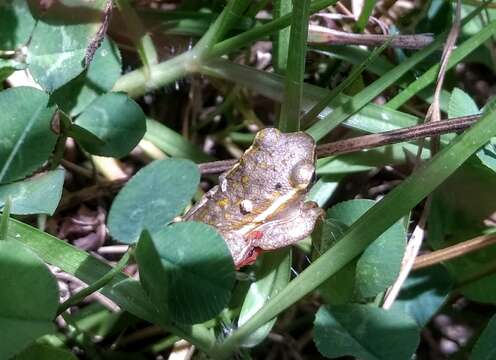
289 118
4 220
280 44
430 75
380 66
372 224
368 7
172 143
314 112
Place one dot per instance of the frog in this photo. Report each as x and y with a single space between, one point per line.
260 203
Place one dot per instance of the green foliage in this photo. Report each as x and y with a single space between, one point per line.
23 315
366 332
16 24
423 293
28 139
273 274
152 198
116 120
96 80
45 352
484 348
38 195
377 267
187 281
187 270
57 47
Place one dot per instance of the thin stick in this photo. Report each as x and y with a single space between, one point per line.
369 141
452 252
319 34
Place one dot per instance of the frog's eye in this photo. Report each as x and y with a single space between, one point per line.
302 174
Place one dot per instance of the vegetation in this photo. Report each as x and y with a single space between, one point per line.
114 115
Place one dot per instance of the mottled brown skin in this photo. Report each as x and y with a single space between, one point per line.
259 203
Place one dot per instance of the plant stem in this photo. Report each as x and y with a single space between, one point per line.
259 32
97 285
224 22
137 82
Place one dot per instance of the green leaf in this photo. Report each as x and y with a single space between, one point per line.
58 44
487 155
484 348
339 288
423 293
8 66
461 104
188 270
152 198
272 274
29 139
38 195
454 219
367 332
152 273
45 352
16 24
99 78
28 300
380 263
115 119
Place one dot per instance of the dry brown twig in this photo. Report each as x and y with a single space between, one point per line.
319 34
368 141
452 252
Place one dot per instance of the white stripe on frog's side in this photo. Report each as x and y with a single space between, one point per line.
276 204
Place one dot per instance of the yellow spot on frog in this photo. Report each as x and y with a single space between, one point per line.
245 179
223 202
